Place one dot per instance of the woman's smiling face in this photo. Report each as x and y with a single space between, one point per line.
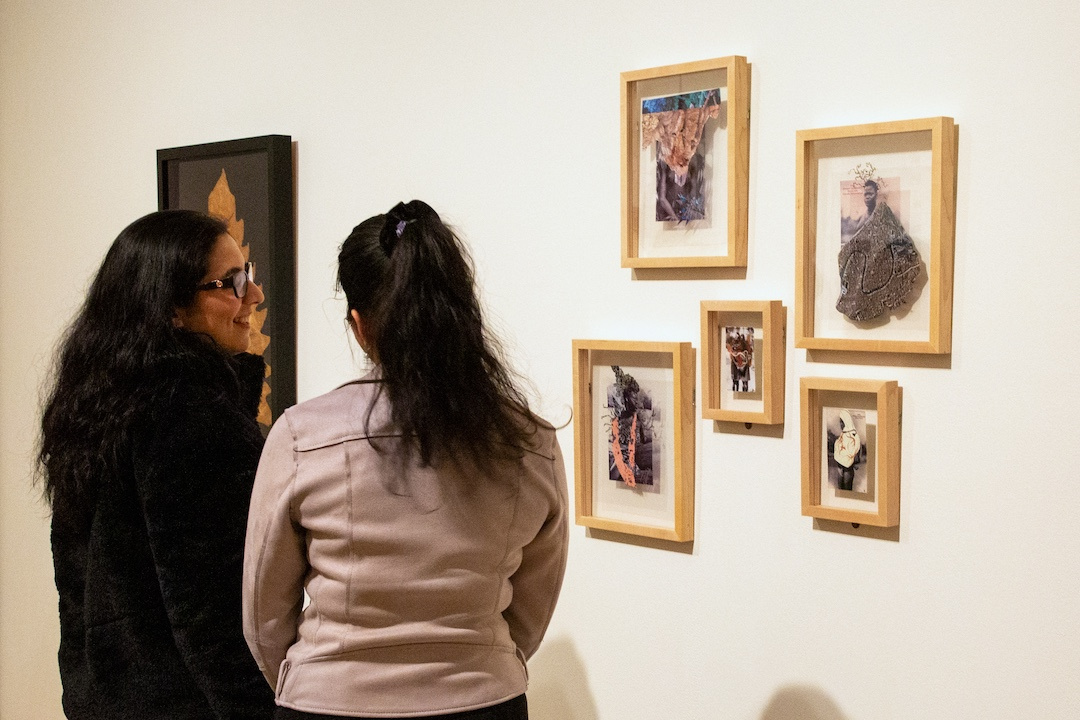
217 312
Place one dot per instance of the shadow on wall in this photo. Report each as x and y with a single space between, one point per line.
801 702
559 687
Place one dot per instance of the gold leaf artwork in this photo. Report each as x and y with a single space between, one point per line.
221 203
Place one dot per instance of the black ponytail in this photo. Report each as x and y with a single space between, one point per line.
410 279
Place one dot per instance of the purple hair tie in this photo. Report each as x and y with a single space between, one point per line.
400 227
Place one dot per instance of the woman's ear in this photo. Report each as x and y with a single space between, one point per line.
356 325
358 329
177 319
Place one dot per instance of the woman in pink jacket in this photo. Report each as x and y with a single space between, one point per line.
423 507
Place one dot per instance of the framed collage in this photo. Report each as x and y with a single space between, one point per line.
875 219
851 450
685 155
742 364
634 437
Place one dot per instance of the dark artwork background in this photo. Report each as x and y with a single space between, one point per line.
191 181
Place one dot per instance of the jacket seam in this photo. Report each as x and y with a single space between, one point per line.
346 439
352 543
506 548
550 610
260 566
329 657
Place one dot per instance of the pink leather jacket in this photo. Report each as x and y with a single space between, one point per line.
428 589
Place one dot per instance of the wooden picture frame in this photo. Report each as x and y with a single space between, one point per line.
720 154
636 398
914 163
249 184
868 412
743 361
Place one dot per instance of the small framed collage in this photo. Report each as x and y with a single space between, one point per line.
634 437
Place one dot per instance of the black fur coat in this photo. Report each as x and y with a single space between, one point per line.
149 571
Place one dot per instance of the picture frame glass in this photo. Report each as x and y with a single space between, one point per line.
742 336
871 192
849 451
633 441
682 179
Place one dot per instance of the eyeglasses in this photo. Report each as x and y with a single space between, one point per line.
239 281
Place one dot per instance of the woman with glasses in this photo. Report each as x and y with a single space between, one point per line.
423 507
148 451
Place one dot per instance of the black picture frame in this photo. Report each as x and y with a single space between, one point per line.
259 175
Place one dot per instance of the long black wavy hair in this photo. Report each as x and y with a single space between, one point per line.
121 337
411 280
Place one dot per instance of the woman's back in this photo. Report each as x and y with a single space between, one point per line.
423 508
429 584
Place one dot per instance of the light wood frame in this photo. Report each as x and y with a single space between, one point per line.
738 165
770 360
681 358
887 399
943 145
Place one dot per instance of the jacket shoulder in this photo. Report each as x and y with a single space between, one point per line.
543 442
350 412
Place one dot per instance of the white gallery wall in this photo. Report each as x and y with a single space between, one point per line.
504 116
